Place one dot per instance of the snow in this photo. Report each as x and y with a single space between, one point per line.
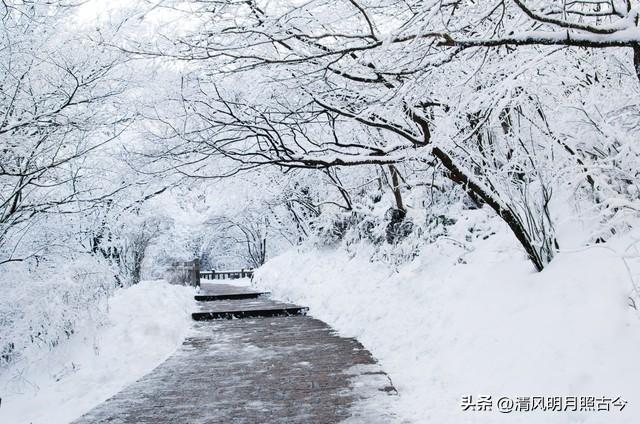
452 324
146 324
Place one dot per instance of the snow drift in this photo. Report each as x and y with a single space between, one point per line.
457 323
145 324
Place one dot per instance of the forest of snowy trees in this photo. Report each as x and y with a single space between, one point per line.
134 133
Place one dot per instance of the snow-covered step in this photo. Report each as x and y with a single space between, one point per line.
276 310
224 301
210 297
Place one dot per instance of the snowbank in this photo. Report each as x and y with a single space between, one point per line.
146 323
450 325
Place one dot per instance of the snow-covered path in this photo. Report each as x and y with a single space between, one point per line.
292 369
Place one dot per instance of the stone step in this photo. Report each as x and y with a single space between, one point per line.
225 301
211 297
274 311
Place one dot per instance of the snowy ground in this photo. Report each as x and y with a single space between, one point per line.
146 323
456 323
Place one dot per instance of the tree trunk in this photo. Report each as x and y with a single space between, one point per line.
395 188
636 60
539 258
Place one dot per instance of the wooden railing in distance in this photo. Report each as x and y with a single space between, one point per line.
226 275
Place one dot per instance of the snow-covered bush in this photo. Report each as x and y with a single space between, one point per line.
41 307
